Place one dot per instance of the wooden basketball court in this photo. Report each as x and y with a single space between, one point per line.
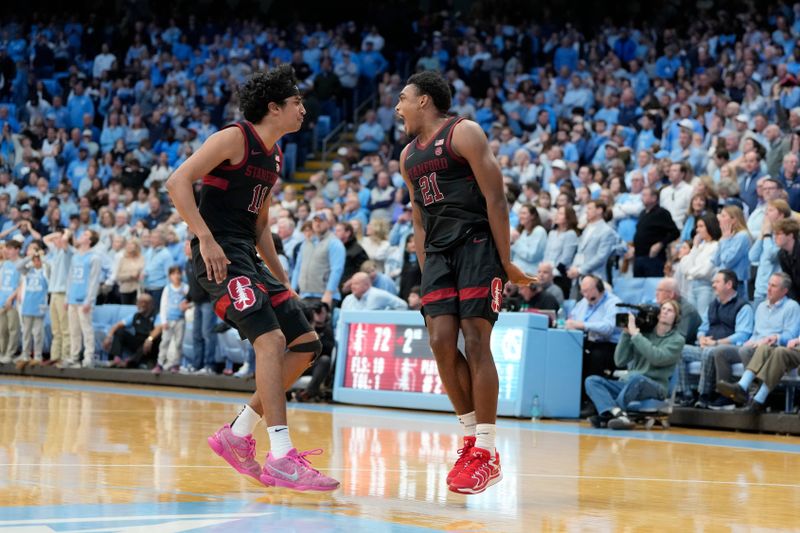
77 456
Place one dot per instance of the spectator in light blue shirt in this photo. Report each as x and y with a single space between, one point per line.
370 134
365 297
78 104
777 322
668 64
157 260
596 313
734 246
527 251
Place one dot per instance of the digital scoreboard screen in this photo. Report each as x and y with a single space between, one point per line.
390 357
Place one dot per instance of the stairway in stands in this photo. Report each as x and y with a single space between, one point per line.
315 162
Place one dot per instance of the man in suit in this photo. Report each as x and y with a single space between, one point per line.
596 244
749 179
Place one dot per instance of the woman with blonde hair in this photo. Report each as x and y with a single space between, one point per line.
129 271
734 246
376 243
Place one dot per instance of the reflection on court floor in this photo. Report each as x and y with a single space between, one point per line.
95 457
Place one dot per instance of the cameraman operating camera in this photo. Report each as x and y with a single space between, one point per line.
650 359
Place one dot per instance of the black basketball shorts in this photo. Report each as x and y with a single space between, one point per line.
466 280
251 299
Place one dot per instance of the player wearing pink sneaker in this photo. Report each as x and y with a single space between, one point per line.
240 452
294 471
239 165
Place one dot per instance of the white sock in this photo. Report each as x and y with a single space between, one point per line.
467 422
245 422
279 441
484 436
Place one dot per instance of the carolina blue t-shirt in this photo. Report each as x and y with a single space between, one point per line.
9 280
34 297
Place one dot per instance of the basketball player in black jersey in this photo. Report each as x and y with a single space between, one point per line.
239 166
461 230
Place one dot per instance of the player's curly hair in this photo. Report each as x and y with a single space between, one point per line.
275 85
433 84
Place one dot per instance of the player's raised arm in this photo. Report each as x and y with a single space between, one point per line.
416 216
225 145
470 142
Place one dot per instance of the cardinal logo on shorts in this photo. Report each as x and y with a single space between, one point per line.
497 294
242 295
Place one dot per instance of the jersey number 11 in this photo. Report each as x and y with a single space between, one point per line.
259 195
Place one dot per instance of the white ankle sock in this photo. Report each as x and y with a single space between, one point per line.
279 441
467 422
484 436
245 422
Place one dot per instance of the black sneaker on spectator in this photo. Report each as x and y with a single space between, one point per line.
688 401
702 402
621 422
732 391
588 410
722 404
599 421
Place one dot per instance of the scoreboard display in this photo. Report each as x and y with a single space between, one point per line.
384 358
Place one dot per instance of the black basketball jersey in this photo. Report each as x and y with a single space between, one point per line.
452 205
232 195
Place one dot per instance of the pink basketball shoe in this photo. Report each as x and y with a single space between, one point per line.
295 472
239 452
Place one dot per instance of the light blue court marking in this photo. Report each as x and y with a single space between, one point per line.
237 515
440 419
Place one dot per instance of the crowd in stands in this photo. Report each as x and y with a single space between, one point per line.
633 151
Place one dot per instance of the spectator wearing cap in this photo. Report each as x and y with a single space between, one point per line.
78 168
677 196
9 295
748 179
320 263
654 231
